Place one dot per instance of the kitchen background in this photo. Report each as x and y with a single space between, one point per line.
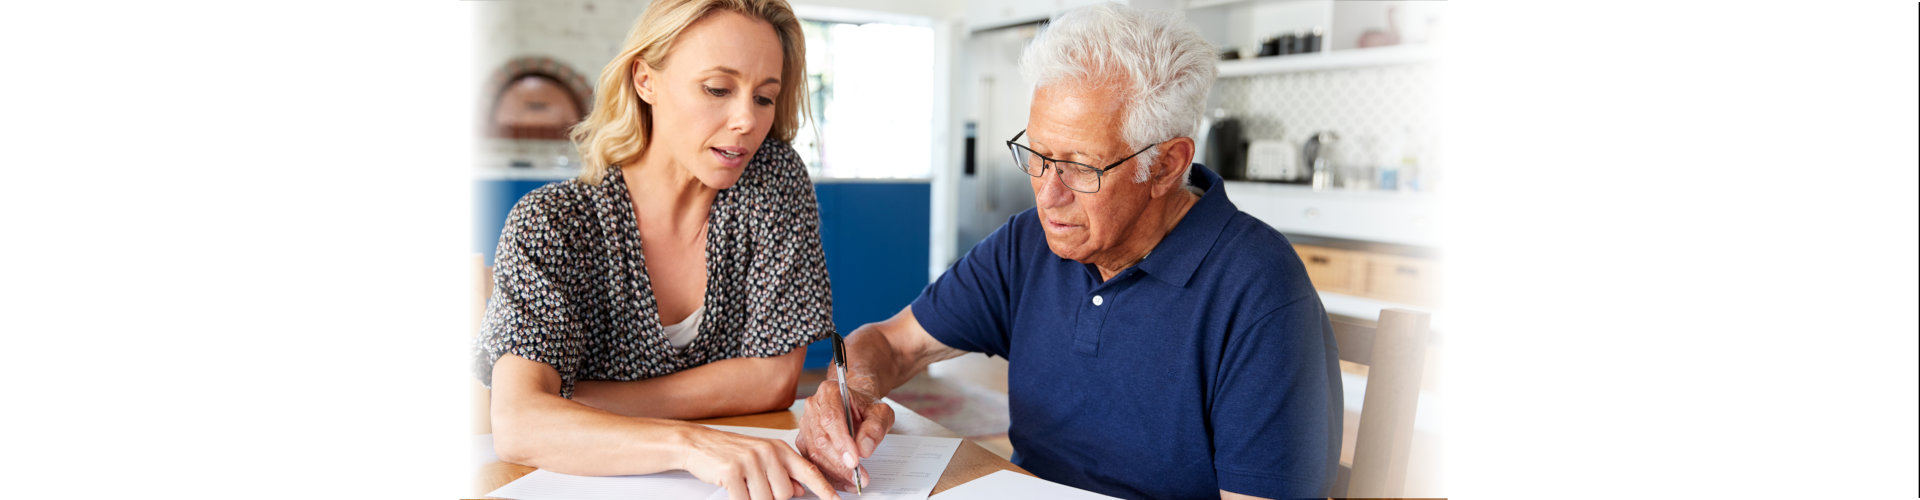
1322 119
1680 240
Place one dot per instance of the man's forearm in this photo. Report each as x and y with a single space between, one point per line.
874 366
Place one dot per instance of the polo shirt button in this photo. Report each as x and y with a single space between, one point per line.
1097 300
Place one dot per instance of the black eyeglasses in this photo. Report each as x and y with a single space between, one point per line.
1076 176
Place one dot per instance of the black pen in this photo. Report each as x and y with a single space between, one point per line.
846 404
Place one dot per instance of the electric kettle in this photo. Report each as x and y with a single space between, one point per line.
1317 156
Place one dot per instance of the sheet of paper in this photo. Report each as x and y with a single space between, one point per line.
543 485
1010 485
902 467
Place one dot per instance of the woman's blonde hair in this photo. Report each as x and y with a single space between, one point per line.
617 128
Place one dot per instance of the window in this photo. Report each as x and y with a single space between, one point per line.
872 100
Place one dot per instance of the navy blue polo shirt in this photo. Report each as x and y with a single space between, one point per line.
1208 366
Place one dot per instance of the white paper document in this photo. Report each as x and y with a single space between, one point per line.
901 467
904 467
1010 485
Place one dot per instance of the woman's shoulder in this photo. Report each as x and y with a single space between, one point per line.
556 203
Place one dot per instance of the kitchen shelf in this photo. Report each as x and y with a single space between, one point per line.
1202 4
1338 59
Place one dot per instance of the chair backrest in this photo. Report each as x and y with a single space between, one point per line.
1395 352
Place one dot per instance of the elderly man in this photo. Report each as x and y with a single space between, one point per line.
1162 344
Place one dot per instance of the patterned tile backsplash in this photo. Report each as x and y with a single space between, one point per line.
1371 109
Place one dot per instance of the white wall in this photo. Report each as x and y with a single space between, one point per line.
1413 21
584 34
939 9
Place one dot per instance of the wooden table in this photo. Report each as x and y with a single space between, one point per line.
970 461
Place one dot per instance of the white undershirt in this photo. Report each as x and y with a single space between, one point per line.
682 333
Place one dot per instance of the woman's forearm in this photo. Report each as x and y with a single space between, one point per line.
736 386
533 425
550 432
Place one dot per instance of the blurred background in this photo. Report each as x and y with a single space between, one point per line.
1680 240
1322 121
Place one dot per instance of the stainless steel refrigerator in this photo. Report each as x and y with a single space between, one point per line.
990 188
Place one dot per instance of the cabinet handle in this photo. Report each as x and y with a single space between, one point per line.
1406 270
1318 259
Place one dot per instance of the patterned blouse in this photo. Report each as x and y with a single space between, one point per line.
571 288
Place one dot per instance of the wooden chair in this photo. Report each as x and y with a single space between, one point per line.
1394 351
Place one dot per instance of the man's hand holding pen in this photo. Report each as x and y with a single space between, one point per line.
823 429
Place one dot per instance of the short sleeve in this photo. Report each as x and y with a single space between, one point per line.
532 312
1276 411
970 306
789 302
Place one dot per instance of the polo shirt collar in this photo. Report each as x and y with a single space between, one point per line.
1179 254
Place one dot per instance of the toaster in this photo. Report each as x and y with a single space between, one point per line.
1273 160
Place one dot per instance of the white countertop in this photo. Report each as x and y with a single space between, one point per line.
1395 217
527 174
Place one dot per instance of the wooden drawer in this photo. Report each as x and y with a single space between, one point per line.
1331 270
1402 279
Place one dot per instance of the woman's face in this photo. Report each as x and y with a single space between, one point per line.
713 100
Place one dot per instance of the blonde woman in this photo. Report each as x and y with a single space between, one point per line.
680 276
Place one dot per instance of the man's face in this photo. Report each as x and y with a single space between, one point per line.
1081 123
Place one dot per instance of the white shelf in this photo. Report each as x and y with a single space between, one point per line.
1338 59
1202 4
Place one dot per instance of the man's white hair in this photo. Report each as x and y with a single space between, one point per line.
1164 66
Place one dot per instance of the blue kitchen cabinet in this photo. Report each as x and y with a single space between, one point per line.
875 233
492 200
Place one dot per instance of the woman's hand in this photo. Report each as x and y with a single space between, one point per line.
751 467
